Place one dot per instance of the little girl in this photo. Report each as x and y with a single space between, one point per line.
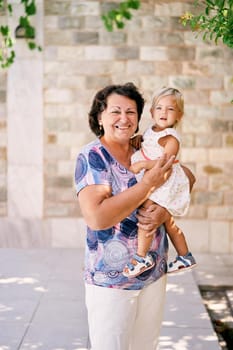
167 109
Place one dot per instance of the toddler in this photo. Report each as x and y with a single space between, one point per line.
167 110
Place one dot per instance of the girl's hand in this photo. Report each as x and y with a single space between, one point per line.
151 218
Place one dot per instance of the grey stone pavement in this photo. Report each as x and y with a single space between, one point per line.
42 301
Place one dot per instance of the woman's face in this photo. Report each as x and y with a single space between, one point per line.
119 119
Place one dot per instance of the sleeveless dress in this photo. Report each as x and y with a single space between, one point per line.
174 194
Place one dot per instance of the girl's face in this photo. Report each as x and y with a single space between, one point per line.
119 119
166 112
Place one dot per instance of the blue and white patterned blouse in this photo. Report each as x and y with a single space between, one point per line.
108 251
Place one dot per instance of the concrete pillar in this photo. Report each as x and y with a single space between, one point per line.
25 124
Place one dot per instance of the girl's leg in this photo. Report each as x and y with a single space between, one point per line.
111 315
177 237
144 242
141 261
149 316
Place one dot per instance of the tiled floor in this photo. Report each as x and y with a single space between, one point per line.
42 302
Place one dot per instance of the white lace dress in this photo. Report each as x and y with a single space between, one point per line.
174 194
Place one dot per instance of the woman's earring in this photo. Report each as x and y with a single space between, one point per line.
100 126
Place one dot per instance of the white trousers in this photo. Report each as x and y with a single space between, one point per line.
125 319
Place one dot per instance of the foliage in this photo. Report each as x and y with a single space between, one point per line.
216 22
118 16
7 54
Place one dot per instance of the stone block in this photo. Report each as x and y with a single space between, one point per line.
222 155
93 23
196 233
187 140
150 22
196 126
152 83
219 237
69 22
202 182
148 53
210 54
3 194
196 211
194 154
208 198
59 96
99 52
231 238
197 69
224 213
58 37
112 38
196 97
3 166
3 153
67 138
228 140
3 209
131 53
3 111
170 68
182 82
24 233
204 140
70 53
228 197
97 82
74 237
2 96
207 111
219 69
83 8
184 53
51 22
221 183
55 152
227 112
56 7
55 125
209 83
3 138
220 97
58 210
172 8
85 38
139 67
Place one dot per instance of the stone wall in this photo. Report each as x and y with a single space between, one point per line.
79 57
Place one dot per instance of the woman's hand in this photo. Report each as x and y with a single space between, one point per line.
149 219
159 173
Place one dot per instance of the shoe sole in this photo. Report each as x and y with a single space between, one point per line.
182 269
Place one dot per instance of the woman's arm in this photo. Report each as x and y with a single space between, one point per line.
101 210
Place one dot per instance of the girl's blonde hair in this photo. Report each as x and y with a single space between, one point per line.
166 91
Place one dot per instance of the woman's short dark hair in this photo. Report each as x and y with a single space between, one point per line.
100 103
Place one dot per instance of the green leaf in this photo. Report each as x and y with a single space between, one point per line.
32 45
31 9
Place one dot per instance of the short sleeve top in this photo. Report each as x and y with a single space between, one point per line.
108 250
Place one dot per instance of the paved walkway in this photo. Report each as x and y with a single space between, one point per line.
42 302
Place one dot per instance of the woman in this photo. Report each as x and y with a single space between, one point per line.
123 314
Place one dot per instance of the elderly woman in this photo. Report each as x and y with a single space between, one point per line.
123 314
